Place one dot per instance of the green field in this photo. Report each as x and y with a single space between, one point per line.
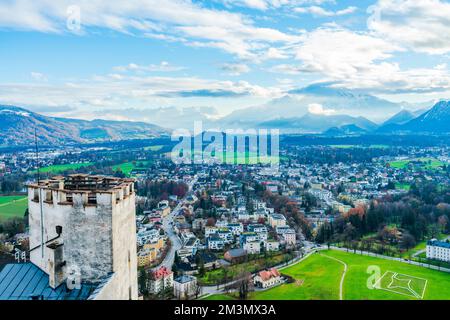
425 163
217 297
58 168
350 146
318 278
12 206
154 148
403 186
127 167
238 157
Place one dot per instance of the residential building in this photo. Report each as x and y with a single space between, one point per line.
146 257
252 247
235 255
160 280
277 220
267 278
439 250
184 287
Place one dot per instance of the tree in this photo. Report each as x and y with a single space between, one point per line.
197 290
245 285
143 281
349 232
443 222
407 241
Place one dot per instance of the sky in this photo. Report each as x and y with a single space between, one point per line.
130 59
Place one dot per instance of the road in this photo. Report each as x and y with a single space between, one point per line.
168 228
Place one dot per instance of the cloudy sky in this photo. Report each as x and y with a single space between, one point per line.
94 59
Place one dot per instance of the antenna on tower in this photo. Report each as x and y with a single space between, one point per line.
37 155
40 192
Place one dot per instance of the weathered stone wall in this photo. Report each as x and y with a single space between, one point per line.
124 247
87 240
99 239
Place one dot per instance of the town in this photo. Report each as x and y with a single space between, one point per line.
210 229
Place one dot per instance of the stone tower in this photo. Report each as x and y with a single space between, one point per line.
85 226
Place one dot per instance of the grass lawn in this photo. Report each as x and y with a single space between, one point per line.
218 297
12 206
127 167
238 157
154 148
349 146
403 186
425 163
214 276
58 168
318 277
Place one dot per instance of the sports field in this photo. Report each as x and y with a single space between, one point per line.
12 206
319 277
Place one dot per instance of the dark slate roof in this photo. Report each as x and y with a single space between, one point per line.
436 243
184 279
26 281
236 253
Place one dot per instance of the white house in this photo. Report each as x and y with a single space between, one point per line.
277 220
272 245
439 250
184 287
215 242
267 278
160 280
289 238
252 247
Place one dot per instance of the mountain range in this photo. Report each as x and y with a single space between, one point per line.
18 127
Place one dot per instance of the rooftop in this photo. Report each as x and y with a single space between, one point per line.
184 279
83 182
437 243
26 281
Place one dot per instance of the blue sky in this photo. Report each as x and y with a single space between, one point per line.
95 59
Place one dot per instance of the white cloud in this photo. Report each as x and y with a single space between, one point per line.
164 66
123 90
274 53
360 61
38 76
235 69
321 12
317 108
420 25
341 52
174 20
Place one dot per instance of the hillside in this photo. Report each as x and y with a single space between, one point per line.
18 126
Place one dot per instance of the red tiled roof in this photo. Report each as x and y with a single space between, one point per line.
267 274
161 272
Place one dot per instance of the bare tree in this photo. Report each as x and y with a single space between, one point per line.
197 290
245 285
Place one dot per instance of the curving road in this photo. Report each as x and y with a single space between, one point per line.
168 228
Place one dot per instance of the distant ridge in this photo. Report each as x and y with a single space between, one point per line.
17 127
